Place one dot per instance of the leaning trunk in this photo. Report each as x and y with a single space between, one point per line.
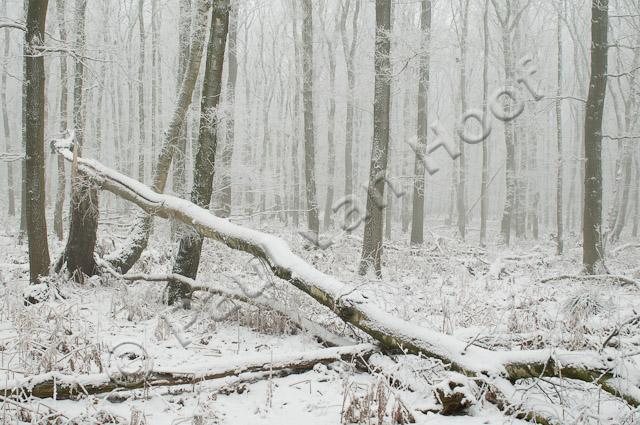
126 257
188 257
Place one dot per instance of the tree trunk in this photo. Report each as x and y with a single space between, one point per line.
188 258
227 151
58 221
484 189
461 202
630 108
124 258
510 173
417 215
331 156
636 200
155 84
179 181
560 160
592 250
313 222
372 239
11 196
34 98
142 142
349 55
83 227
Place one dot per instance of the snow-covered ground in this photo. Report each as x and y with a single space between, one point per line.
492 298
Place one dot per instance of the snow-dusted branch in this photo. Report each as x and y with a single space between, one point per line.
624 280
64 386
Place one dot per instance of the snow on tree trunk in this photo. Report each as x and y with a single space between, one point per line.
372 240
125 257
592 250
313 222
188 257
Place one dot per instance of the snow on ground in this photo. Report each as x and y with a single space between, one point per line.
492 298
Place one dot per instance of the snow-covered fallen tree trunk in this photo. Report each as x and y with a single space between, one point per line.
614 374
63 386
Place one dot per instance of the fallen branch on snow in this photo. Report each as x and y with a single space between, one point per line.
615 375
615 278
63 386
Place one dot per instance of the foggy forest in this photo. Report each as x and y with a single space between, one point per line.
320 212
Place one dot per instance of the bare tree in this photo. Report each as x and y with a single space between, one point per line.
227 150
331 154
188 258
34 96
58 224
508 18
83 227
124 258
484 185
372 240
560 164
349 49
11 197
592 248
179 163
313 222
142 142
461 203
417 216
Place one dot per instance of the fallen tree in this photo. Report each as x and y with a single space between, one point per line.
63 386
612 373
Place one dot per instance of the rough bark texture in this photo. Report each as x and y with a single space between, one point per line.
372 239
188 258
34 110
417 216
592 250
83 226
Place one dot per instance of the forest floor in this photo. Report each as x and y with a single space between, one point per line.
490 297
